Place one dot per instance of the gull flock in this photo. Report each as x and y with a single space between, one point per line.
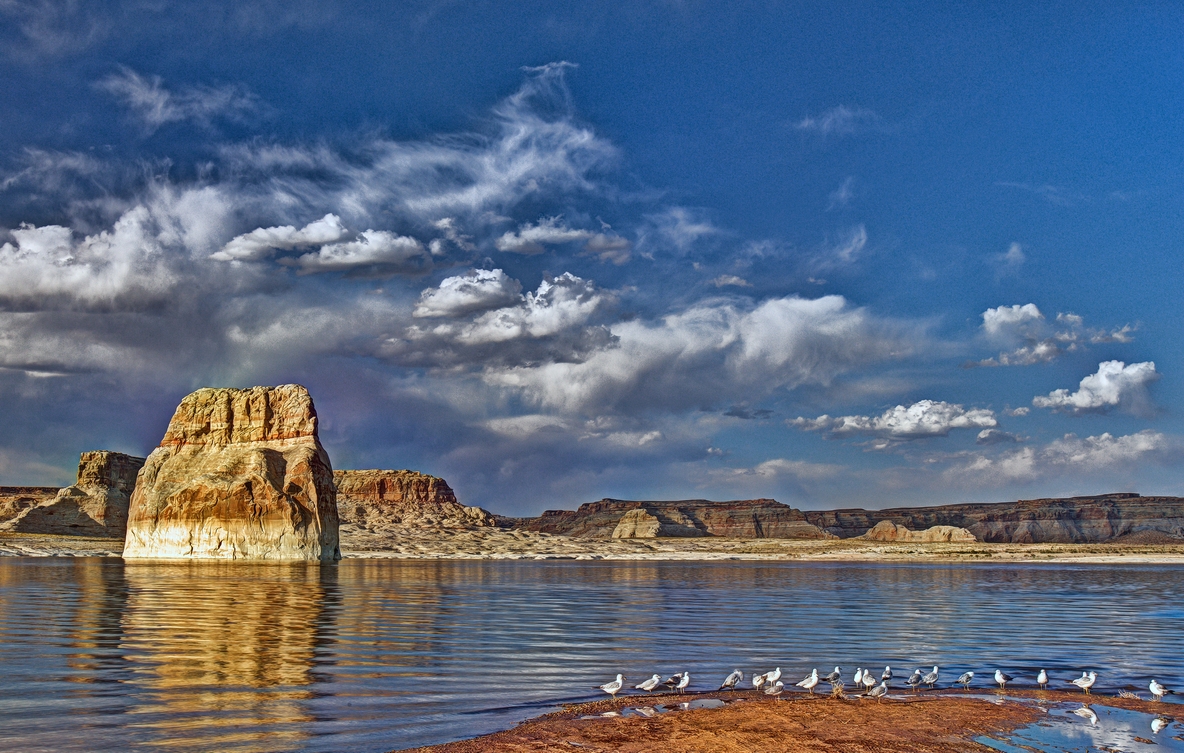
864 680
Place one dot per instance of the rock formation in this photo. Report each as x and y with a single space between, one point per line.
96 505
381 501
618 518
240 474
1110 517
16 499
886 530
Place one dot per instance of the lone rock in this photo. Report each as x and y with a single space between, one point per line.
240 474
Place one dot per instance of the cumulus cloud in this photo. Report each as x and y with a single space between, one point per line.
478 290
155 105
374 251
1069 454
264 242
1014 256
713 351
1032 339
922 419
995 436
839 121
533 239
1114 384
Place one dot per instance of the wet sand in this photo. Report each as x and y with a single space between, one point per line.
486 543
904 723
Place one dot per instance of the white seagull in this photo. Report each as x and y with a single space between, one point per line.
869 680
614 687
965 679
879 691
758 681
732 680
858 677
673 680
835 676
1086 681
887 675
775 689
1157 690
914 680
809 682
931 678
1002 678
649 684
773 676
1042 679
684 682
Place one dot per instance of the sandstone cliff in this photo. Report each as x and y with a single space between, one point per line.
240 474
96 505
886 530
618 518
1109 517
382 501
16 499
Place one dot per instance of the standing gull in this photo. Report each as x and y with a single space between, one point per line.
886 677
673 680
773 676
965 679
1002 678
809 682
614 687
775 689
758 681
835 676
684 682
858 677
649 684
731 681
869 680
931 678
1086 681
1157 690
1042 679
879 691
914 680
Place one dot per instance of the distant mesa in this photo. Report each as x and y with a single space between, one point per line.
630 519
16 499
96 505
385 501
886 530
239 474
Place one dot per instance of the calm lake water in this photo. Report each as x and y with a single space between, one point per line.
102 655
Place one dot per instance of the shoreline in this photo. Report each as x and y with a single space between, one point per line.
500 544
943 721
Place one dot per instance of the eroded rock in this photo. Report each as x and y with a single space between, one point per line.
886 530
240 474
16 499
739 519
381 501
96 505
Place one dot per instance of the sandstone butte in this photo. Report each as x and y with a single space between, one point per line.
619 518
886 530
239 474
385 501
96 505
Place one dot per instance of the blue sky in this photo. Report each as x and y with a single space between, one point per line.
853 255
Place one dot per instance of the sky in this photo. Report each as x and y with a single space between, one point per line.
849 254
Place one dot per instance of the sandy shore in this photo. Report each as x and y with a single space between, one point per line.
923 723
434 543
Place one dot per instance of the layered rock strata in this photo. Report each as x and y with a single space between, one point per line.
96 505
618 518
1076 520
886 530
16 499
240 474
382 501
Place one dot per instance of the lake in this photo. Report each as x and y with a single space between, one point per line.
371 655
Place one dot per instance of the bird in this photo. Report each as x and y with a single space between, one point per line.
1002 678
1087 713
684 682
965 679
886 676
773 676
649 684
614 687
931 678
1042 679
758 681
1086 681
914 680
1158 724
732 680
673 680
835 676
1157 690
809 682
775 689
869 680
879 691
858 677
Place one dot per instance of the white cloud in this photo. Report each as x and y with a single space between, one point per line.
1113 384
1014 256
995 436
1069 454
710 352
263 242
1032 340
841 196
850 247
375 250
924 418
155 105
1007 319
781 467
677 229
841 120
724 280
533 239
478 290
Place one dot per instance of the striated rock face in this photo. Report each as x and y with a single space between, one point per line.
380 501
240 474
1081 520
618 518
96 505
886 530
16 499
